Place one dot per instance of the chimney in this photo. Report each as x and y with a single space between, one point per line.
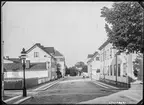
27 64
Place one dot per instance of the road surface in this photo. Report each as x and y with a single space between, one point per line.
71 91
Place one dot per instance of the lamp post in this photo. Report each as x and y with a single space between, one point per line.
23 57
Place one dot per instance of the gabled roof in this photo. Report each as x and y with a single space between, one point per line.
48 50
90 55
18 66
57 53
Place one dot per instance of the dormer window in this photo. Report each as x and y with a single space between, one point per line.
36 54
45 56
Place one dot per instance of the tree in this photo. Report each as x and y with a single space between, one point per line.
84 69
125 26
59 75
79 65
138 64
67 71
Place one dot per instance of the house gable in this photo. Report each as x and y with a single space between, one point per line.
42 55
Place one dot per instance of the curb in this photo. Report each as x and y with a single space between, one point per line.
100 85
135 99
23 99
10 99
107 85
26 98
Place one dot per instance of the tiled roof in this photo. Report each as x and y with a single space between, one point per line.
57 53
18 66
15 59
90 55
49 49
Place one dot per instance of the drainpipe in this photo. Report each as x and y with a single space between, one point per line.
2 73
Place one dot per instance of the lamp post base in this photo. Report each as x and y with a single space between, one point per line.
24 92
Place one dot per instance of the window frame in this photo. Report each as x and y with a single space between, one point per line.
119 69
36 54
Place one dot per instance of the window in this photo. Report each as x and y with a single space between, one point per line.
124 69
110 52
118 69
105 55
102 56
110 69
36 54
97 58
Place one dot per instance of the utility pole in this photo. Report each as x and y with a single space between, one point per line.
2 68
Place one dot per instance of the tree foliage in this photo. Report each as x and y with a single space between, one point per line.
125 26
138 64
85 69
79 64
59 74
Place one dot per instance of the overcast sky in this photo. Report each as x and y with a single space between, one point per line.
74 28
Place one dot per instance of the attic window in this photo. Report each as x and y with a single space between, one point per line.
36 54
45 56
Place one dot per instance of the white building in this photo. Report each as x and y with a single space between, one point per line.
93 64
60 60
39 63
108 64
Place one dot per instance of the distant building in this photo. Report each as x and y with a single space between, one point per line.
40 54
108 64
93 64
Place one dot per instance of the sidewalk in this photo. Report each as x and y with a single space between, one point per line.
17 96
130 96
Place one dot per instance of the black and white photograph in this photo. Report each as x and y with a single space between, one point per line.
72 52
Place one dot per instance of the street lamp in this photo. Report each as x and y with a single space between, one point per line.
23 57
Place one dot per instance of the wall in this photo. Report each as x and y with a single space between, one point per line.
28 74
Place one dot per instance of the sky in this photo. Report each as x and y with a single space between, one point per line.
73 28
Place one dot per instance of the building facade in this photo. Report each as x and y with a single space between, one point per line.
93 65
60 59
116 67
40 62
